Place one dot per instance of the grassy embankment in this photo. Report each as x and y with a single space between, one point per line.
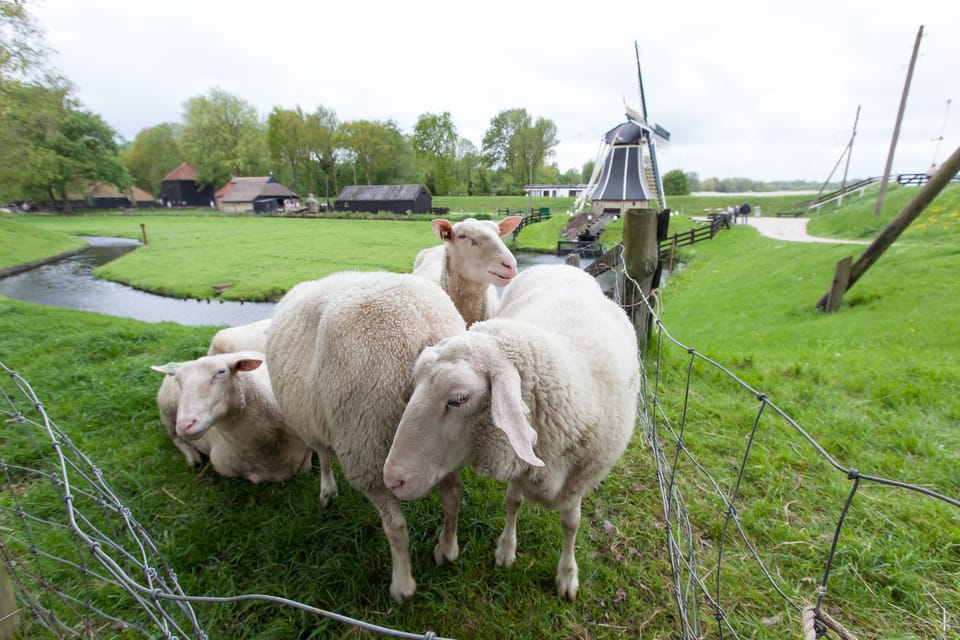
876 383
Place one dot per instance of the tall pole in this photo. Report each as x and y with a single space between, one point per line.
846 167
896 128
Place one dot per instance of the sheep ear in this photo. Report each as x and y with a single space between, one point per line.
508 409
247 364
166 369
509 224
443 229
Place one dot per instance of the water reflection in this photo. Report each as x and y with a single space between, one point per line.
70 283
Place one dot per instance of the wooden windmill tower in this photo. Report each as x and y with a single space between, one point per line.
625 173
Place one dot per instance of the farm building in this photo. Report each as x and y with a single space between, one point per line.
256 194
554 190
103 195
179 189
397 198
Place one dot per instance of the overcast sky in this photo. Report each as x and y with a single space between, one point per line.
763 90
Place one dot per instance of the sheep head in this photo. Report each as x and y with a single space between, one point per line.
475 250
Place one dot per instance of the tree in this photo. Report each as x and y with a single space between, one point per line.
468 169
434 143
519 146
52 146
675 183
222 137
21 46
291 142
152 155
378 151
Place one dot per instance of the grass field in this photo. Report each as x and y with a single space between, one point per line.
877 384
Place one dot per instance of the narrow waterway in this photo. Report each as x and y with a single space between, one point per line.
70 283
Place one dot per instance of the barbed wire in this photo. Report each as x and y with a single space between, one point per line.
666 440
101 545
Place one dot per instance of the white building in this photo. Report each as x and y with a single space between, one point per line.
554 190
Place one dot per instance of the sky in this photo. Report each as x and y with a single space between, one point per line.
758 89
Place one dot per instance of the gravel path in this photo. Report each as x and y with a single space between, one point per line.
792 229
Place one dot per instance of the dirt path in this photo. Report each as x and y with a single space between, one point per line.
792 229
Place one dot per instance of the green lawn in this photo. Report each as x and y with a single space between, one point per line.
877 384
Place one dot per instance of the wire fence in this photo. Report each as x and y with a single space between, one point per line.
105 577
705 546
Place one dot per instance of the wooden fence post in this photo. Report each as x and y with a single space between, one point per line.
143 232
9 609
641 254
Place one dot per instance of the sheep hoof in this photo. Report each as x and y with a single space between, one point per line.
505 555
567 586
326 498
402 590
443 553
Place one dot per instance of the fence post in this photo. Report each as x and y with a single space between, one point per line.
641 254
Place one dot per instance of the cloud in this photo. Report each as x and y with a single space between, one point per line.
746 88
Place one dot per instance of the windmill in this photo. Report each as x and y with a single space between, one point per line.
625 173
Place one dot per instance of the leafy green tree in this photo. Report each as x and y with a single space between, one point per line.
434 143
51 145
21 44
152 155
377 151
468 167
222 136
675 183
291 142
587 172
518 145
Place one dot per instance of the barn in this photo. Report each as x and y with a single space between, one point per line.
395 198
103 195
179 189
257 194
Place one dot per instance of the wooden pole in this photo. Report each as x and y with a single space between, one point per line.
846 168
9 609
143 232
896 128
898 225
640 256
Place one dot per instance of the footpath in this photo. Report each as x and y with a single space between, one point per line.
793 230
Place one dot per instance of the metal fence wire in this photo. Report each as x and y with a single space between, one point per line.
103 576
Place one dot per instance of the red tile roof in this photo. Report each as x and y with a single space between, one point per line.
184 171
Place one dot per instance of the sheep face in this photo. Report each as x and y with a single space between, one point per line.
208 390
462 385
476 251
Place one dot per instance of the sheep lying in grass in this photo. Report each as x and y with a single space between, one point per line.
542 396
252 336
341 354
222 406
468 265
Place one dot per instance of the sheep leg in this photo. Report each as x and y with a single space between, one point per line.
328 484
451 489
506 553
568 580
193 456
402 584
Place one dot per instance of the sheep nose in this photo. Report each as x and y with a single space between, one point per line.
510 266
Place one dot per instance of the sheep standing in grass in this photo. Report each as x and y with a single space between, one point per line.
341 354
222 406
468 265
542 396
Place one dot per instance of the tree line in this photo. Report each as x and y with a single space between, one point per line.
51 146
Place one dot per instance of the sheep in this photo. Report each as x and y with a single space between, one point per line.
251 336
470 263
341 353
542 396
222 406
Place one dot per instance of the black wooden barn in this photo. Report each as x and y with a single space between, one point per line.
396 198
179 189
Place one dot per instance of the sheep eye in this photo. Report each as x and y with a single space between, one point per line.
457 401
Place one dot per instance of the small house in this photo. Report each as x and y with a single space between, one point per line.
179 188
104 195
257 194
554 190
395 198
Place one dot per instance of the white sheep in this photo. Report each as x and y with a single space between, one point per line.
222 406
542 396
252 336
470 263
341 354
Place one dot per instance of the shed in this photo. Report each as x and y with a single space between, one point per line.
396 198
104 195
257 194
179 188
